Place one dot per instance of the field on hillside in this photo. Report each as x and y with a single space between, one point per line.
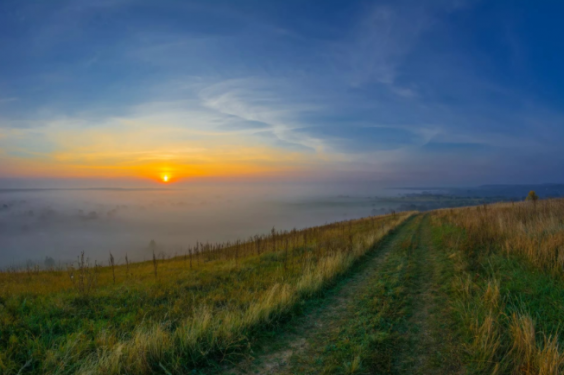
172 315
472 290
506 290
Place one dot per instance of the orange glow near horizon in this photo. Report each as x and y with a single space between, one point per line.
96 155
62 150
168 173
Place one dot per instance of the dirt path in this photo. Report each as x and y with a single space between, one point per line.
416 357
276 354
424 305
427 349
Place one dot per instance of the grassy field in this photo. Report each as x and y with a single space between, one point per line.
505 268
175 315
473 290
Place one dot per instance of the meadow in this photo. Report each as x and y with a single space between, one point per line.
471 290
505 265
172 315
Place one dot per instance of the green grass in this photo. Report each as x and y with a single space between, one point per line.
366 336
488 293
181 320
476 291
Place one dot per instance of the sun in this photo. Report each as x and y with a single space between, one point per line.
165 178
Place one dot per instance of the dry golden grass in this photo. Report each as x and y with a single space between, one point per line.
533 232
529 357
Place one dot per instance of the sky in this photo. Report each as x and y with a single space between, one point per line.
406 93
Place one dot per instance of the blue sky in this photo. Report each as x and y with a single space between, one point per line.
399 92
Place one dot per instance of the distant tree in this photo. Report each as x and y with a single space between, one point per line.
532 196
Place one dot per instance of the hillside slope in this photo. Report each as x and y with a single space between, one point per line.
474 290
173 315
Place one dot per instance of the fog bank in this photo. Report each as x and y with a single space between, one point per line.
61 223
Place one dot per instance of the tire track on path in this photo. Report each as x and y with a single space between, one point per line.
428 341
276 354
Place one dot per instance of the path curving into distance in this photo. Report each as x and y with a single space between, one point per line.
383 318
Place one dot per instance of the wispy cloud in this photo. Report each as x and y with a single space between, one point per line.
267 102
375 47
388 87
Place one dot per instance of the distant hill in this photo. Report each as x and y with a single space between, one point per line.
502 191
